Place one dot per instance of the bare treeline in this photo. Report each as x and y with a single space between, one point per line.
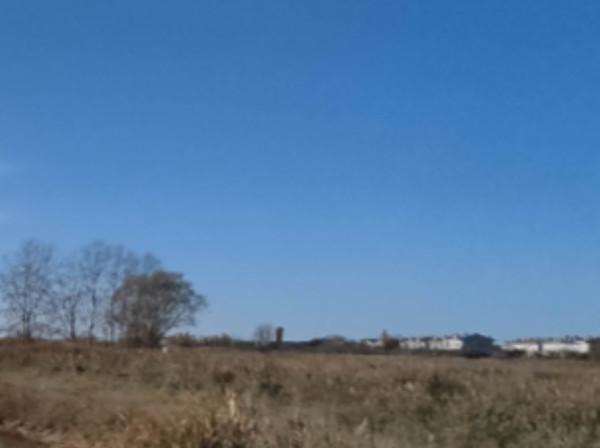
101 291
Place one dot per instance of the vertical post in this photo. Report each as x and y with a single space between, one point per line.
279 337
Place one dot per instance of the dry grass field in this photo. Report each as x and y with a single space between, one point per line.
82 396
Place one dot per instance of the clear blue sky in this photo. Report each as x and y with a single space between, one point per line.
330 166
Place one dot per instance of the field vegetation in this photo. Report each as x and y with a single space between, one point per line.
82 395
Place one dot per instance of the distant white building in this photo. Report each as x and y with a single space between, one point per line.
447 343
433 343
529 347
549 347
373 343
413 344
566 346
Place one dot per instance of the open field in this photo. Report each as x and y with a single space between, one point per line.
82 396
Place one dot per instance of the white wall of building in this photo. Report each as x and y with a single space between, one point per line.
452 343
558 347
549 347
413 344
529 347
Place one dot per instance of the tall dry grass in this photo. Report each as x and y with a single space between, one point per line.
82 396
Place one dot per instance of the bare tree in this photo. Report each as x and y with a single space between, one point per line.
146 307
27 287
121 263
264 335
93 265
68 303
389 343
100 270
124 264
86 282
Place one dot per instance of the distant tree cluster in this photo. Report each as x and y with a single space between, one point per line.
101 291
